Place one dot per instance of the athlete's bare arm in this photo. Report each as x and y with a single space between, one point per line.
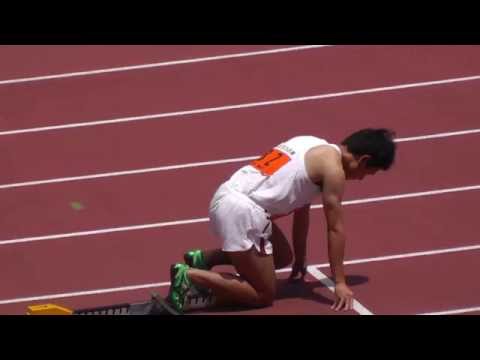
333 188
325 168
301 222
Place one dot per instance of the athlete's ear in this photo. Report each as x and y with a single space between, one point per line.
363 160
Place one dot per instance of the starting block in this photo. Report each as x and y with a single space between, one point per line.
156 306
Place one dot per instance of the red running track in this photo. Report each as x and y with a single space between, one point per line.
185 194
41 60
400 287
233 134
139 257
211 84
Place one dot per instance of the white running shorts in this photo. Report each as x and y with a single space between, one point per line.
239 222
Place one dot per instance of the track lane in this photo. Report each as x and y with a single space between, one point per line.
185 194
37 60
238 81
143 257
233 134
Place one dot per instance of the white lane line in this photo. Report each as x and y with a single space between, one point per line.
126 172
453 311
317 274
83 293
161 284
200 164
201 220
103 231
242 106
405 196
406 255
159 64
439 135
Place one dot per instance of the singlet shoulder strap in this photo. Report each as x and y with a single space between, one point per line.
336 147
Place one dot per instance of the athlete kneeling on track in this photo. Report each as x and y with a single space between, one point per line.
283 181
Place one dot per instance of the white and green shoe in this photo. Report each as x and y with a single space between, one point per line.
180 284
183 295
196 259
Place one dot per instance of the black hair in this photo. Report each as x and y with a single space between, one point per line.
378 143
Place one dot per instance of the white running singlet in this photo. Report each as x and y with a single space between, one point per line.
278 181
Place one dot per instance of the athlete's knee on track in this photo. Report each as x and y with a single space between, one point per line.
266 293
265 298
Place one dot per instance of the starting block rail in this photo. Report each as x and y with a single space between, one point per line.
156 306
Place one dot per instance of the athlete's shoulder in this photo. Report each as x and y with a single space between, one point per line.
305 138
326 151
304 141
322 161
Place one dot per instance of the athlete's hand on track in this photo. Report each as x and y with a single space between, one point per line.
343 298
298 272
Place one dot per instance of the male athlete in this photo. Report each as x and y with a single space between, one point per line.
283 181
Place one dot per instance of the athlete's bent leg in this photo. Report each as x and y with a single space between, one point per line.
282 253
255 286
206 259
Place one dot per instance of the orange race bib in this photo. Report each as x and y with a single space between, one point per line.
270 162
